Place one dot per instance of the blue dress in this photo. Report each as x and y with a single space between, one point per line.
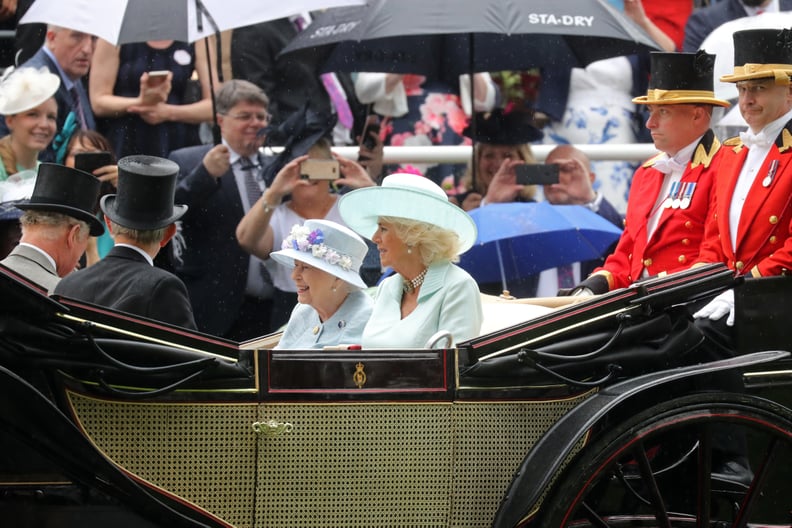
129 134
345 326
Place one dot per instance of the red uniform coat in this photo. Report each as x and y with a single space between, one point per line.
764 235
675 243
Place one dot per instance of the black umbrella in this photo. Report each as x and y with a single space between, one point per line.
442 39
445 38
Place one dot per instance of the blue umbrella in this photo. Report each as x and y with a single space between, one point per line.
519 239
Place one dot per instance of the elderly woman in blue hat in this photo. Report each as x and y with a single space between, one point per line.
418 233
324 258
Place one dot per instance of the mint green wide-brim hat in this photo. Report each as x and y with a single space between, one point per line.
406 196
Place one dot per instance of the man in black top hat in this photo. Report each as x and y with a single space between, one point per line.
56 224
141 217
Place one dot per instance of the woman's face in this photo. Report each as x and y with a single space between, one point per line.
391 248
78 146
34 128
490 159
314 286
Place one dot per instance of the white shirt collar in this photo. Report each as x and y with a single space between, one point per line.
67 82
46 255
772 129
145 255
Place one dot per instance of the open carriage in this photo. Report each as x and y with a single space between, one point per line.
595 414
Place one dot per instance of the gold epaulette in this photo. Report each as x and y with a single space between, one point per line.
651 161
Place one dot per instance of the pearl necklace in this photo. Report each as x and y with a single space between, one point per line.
410 286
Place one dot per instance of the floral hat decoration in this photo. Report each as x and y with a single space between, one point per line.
327 246
25 88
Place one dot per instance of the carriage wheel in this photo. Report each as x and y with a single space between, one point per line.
664 468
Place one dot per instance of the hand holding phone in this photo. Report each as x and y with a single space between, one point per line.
155 90
371 127
155 78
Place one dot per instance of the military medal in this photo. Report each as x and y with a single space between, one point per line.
770 173
687 195
675 192
668 202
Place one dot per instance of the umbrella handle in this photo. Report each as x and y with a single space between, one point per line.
500 265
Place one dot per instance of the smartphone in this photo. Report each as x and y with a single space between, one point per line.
155 78
536 174
319 169
372 125
90 161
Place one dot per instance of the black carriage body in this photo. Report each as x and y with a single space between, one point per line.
108 419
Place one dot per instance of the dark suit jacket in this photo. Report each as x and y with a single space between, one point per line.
288 82
609 213
123 280
64 100
212 265
703 20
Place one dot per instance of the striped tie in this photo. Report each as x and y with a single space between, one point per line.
78 108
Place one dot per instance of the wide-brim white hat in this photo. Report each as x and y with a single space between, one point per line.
406 196
327 246
26 88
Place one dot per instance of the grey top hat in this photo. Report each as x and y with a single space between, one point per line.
68 191
146 190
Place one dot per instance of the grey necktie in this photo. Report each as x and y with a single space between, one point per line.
78 108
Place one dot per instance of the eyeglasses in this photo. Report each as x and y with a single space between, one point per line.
246 117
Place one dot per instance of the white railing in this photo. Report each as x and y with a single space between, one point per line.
445 154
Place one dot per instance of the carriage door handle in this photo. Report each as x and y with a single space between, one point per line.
271 428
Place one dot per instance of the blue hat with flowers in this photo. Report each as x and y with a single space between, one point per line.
327 246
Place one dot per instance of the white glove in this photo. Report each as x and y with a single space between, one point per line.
718 307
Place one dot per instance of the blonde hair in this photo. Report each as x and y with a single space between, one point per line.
8 155
524 152
433 243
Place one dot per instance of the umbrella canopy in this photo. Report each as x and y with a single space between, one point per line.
450 37
122 21
519 239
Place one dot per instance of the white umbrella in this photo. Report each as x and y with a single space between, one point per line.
122 21
720 43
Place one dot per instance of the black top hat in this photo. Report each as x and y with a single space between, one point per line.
504 128
680 78
68 191
146 189
297 133
762 53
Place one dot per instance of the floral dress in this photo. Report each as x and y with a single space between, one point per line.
434 114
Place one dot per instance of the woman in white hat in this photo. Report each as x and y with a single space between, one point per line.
27 101
419 233
325 259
